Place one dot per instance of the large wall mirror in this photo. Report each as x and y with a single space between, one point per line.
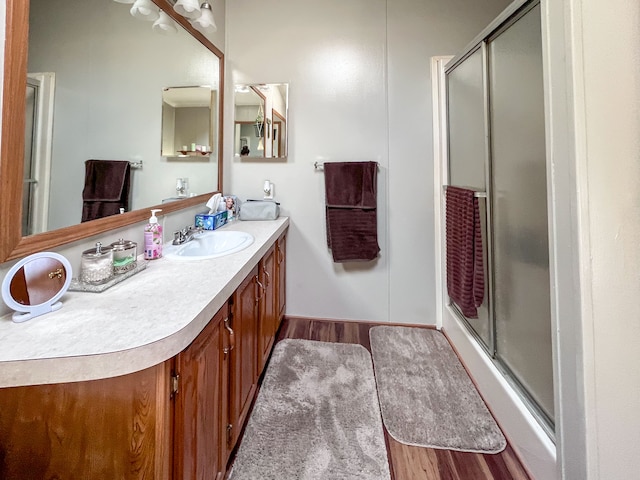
260 120
92 77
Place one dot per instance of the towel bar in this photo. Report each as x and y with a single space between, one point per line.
475 194
320 166
136 164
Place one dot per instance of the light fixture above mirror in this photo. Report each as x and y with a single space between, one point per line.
164 24
145 10
205 23
261 120
188 8
200 15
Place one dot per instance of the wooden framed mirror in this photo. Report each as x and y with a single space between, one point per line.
14 243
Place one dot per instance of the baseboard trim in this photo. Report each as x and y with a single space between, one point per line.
368 322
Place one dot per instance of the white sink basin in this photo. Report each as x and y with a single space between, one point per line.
210 244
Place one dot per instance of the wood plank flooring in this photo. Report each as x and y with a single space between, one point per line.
408 462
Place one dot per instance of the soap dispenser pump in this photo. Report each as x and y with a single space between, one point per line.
153 237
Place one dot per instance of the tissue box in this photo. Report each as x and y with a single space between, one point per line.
211 222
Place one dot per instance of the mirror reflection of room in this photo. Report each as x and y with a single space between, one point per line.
187 121
98 95
260 124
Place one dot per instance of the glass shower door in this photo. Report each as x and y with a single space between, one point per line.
521 290
467 157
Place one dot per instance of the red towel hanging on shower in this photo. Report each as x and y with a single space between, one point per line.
465 268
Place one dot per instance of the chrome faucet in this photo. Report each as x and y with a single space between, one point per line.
186 234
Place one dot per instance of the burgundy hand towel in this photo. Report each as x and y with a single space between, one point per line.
351 210
106 188
465 271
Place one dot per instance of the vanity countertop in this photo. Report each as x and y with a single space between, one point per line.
135 324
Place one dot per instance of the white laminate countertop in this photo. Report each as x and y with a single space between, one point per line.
138 323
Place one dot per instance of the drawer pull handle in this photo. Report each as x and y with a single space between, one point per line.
262 288
232 336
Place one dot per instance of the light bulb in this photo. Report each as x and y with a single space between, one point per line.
188 8
145 10
205 23
164 24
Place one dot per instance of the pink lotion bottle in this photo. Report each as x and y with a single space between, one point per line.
153 237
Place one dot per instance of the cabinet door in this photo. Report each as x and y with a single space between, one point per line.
268 306
244 357
199 424
281 270
113 428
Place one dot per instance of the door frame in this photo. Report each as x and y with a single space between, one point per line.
42 148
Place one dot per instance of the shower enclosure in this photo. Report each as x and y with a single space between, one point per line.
496 145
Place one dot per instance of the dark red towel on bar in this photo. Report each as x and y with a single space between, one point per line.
106 188
465 270
351 210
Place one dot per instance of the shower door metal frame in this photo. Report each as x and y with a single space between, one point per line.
482 46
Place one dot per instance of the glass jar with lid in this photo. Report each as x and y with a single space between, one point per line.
96 265
124 256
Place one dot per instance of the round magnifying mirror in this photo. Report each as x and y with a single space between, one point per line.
33 286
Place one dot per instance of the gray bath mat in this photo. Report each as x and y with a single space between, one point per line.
316 417
426 397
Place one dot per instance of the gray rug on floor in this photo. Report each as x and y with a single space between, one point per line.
426 397
316 417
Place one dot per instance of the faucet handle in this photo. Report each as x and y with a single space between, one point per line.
178 237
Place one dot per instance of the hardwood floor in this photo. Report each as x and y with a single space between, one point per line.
408 462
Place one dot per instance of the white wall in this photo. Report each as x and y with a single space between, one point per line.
593 70
359 90
608 137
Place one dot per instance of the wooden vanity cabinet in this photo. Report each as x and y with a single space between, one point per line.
112 428
179 419
200 396
243 368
